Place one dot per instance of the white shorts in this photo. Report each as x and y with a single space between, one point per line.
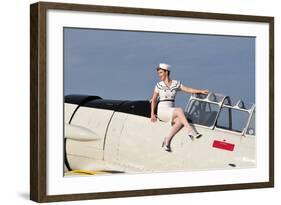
165 114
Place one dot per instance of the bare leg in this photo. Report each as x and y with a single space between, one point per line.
174 129
178 112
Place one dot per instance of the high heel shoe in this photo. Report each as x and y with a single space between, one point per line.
193 136
166 147
198 135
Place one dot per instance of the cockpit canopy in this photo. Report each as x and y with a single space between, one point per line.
217 110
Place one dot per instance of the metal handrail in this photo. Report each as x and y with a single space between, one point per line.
221 105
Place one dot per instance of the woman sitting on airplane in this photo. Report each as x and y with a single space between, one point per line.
167 89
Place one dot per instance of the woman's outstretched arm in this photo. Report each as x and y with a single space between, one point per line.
193 90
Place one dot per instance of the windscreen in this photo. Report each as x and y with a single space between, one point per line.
202 113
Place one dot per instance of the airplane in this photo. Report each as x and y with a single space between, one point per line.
106 136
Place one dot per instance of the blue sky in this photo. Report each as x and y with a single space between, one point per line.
121 64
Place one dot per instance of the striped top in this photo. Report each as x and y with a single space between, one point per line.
167 93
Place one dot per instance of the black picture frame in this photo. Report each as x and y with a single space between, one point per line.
38 103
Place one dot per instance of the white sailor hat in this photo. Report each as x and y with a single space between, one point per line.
164 66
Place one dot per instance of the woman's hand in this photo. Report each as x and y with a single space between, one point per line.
153 118
205 92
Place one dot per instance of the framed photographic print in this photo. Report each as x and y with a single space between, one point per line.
135 101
